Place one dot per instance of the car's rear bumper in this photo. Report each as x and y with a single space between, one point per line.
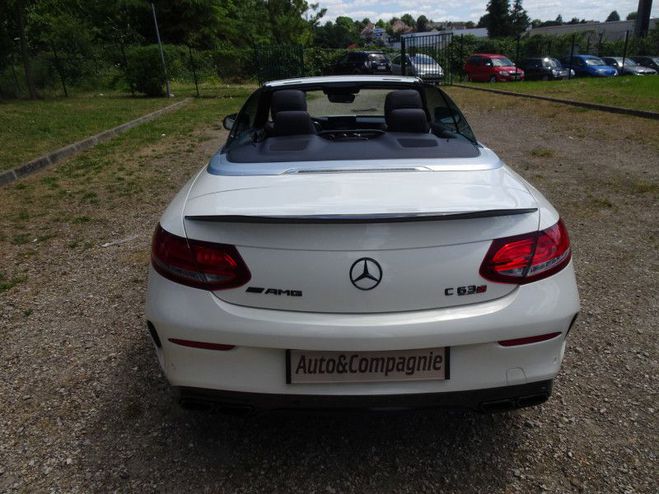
483 400
261 337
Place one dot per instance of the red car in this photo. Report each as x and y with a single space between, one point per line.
486 67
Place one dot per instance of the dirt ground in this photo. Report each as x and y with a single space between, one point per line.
85 408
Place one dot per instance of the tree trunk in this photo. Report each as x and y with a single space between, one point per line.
27 63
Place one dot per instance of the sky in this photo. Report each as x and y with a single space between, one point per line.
472 10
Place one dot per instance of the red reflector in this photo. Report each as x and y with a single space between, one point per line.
201 344
529 257
205 265
529 339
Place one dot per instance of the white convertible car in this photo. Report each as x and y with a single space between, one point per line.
353 245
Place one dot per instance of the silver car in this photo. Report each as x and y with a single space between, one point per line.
630 67
420 65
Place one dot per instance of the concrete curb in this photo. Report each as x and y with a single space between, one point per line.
72 149
591 106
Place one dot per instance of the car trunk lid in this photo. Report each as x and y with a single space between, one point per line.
362 242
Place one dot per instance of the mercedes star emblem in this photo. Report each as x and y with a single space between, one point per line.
365 273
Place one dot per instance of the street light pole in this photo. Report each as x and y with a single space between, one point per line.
162 54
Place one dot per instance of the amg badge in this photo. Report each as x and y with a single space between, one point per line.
274 291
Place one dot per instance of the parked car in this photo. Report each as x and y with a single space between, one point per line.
650 62
313 263
589 65
543 68
486 67
630 67
363 62
420 65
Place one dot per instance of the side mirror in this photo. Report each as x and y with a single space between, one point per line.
229 121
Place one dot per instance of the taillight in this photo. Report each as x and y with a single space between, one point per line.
205 265
529 257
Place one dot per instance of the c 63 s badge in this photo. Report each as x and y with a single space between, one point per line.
465 290
274 291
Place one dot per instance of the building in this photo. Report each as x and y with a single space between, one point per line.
609 31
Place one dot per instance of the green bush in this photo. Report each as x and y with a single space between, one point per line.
144 71
320 61
234 64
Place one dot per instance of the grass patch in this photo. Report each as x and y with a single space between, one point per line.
117 175
9 283
640 93
33 128
542 152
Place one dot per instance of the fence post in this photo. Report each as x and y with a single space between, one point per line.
599 44
403 65
624 54
13 71
569 70
194 71
517 51
462 57
59 68
549 48
162 54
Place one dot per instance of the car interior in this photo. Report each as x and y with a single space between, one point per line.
406 129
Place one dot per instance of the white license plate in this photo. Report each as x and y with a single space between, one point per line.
306 367
382 68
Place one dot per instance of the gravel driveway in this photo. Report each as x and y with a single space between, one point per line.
85 408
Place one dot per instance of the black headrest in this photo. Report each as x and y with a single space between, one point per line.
288 100
293 123
408 120
402 98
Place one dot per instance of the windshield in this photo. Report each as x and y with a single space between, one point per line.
594 61
553 63
502 62
366 102
628 62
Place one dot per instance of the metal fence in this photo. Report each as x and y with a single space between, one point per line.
429 57
278 62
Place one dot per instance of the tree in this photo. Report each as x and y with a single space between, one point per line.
408 20
499 23
613 16
470 25
422 24
632 16
18 10
559 19
519 18
482 22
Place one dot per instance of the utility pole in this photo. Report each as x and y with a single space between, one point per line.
642 23
162 54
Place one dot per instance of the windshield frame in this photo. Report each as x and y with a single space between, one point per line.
262 95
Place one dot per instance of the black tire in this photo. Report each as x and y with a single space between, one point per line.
545 77
492 79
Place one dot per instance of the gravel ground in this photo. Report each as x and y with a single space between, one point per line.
85 407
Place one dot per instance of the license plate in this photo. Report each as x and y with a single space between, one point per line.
382 68
307 367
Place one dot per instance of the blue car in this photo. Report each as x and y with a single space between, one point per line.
589 65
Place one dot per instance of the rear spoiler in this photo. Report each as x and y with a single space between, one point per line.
361 218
